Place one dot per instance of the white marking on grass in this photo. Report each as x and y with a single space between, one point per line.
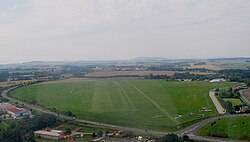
154 103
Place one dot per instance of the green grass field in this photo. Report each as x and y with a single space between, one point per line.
147 104
234 128
235 102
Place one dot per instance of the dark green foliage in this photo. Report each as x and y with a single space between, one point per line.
171 138
248 83
33 102
229 107
22 131
4 75
236 75
100 133
175 138
68 131
219 135
93 135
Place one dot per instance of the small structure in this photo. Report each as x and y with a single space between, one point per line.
14 111
218 80
244 109
19 113
48 135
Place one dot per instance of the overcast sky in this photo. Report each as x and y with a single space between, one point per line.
122 29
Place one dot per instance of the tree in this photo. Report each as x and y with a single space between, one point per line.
93 135
33 102
229 107
236 95
100 133
68 131
248 83
171 138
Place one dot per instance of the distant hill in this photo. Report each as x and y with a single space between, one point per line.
230 59
150 59
108 62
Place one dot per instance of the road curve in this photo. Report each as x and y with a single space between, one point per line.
190 131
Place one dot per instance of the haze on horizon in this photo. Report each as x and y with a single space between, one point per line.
62 30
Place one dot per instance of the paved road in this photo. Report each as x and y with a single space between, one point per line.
191 131
217 104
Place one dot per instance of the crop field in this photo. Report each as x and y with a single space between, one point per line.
234 128
210 66
136 73
140 103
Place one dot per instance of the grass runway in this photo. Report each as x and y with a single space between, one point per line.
147 104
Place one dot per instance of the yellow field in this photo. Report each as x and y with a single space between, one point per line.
207 66
6 84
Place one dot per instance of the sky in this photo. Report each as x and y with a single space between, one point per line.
68 30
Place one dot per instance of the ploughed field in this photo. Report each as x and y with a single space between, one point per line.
247 94
147 104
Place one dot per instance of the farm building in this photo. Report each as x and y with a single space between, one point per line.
14 111
5 108
18 112
48 135
218 80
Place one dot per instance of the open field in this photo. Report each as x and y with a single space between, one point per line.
207 66
234 128
139 73
235 102
6 84
147 104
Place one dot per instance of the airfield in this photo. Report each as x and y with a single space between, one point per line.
147 104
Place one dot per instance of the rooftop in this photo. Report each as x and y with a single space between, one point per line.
7 107
15 110
42 132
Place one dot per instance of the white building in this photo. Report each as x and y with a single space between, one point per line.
19 113
48 135
218 80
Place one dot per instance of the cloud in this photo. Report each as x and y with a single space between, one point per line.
155 28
